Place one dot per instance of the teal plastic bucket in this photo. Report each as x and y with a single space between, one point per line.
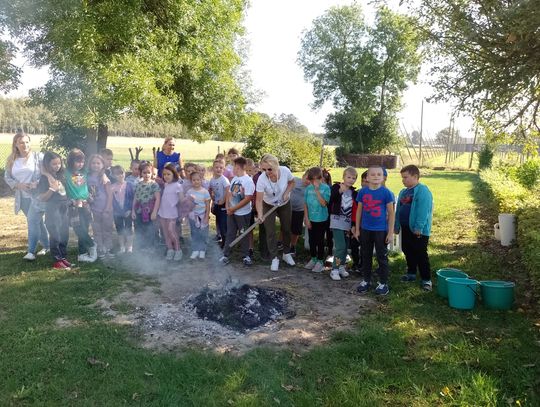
462 292
497 294
442 275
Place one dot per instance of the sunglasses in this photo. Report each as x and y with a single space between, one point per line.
267 169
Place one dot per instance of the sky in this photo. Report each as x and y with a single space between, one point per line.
274 29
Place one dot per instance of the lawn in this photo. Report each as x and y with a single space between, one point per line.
412 350
190 150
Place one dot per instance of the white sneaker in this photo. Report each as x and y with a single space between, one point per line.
334 275
92 252
177 255
343 271
287 258
275 264
310 264
202 255
170 254
29 256
84 258
122 250
318 268
194 255
43 252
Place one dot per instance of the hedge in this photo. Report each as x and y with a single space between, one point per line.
512 197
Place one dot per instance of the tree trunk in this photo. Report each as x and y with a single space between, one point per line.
102 134
91 141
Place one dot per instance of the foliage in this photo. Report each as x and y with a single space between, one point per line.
508 194
17 113
362 70
485 157
485 57
155 60
9 73
512 197
445 135
528 174
528 237
296 150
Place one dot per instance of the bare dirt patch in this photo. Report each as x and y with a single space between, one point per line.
166 320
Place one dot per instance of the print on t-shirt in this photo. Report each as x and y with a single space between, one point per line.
237 192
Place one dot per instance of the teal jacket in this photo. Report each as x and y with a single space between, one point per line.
421 210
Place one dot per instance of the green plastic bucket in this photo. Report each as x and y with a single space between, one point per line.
462 292
442 275
497 294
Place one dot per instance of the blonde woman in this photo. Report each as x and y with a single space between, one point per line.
168 155
273 189
23 170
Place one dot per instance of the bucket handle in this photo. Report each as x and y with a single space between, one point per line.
476 292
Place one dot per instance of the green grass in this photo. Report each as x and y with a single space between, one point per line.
413 350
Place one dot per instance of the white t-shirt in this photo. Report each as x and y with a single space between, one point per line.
218 186
240 188
273 191
23 170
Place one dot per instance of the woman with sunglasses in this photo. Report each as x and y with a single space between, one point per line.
273 189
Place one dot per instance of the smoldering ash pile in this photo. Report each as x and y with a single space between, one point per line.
241 308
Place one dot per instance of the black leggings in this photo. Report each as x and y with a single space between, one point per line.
316 239
416 255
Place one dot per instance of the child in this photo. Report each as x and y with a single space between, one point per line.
354 243
101 205
341 200
413 216
145 206
134 176
327 179
76 180
199 216
123 193
374 221
189 169
51 190
238 203
218 186
316 198
107 155
232 154
297 206
168 211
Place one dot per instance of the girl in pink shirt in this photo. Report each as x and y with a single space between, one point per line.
168 211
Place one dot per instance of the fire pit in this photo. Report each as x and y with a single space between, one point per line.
242 308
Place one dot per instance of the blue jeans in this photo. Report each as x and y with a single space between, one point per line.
81 227
57 221
37 232
199 237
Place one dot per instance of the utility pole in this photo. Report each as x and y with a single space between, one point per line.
421 128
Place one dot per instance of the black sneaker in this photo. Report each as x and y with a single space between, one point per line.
292 250
247 261
280 246
224 260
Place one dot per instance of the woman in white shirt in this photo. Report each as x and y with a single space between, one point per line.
23 170
274 188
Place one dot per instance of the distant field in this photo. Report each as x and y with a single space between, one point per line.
190 150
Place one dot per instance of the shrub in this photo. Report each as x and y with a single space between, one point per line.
512 197
294 150
485 157
528 237
508 194
528 174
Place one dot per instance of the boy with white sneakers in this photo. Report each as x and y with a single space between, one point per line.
238 204
374 226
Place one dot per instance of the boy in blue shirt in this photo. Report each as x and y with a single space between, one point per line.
374 220
414 214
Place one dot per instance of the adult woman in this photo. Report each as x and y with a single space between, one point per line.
166 156
274 188
23 170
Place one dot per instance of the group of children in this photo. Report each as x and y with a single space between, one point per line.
146 207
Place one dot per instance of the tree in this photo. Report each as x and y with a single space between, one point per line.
157 60
362 70
415 137
443 136
9 73
486 59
